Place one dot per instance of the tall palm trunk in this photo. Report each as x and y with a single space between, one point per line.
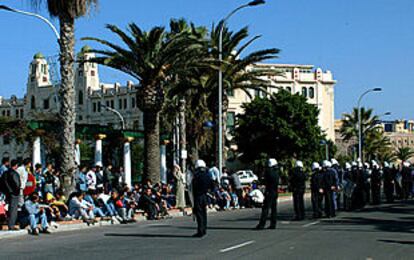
152 157
67 113
216 134
183 136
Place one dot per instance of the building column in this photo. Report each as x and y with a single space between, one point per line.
77 152
127 161
163 175
98 149
37 146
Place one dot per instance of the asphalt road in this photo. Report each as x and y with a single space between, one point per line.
384 232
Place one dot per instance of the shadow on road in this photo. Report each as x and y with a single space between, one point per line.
148 235
402 242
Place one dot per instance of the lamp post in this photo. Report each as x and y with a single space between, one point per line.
9 9
360 121
116 112
220 86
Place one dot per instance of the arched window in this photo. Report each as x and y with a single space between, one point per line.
289 89
311 92
33 102
304 92
80 97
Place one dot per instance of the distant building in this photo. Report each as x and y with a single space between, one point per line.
314 84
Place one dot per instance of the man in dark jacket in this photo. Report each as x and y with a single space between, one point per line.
201 184
298 185
375 183
329 188
388 183
271 181
317 190
407 180
12 189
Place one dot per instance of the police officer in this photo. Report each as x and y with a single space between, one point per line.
367 183
388 176
317 190
375 183
201 184
406 180
298 185
358 198
348 186
271 181
339 177
329 188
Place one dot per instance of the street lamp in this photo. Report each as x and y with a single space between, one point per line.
116 112
220 87
9 9
360 121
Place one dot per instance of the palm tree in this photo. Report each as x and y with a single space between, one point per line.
404 153
153 59
67 11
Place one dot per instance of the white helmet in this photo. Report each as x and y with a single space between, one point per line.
386 165
347 166
299 164
315 166
360 165
354 164
374 164
406 164
271 162
200 164
334 161
326 164
366 165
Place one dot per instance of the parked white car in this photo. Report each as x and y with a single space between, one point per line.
247 177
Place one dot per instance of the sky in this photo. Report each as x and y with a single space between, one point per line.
365 43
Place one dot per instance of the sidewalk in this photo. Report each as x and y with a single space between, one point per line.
79 225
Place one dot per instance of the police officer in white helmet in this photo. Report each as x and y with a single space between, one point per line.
297 182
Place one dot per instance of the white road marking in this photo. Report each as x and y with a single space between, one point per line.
311 224
236 246
285 222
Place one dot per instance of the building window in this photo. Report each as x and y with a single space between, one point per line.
125 103
34 69
119 103
46 104
80 97
107 103
92 73
21 113
231 118
112 104
230 92
17 113
94 107
133 102
80 73
99 106
136 124
8 113
44 68
311 92
305 92
33 102
3 112
80 118
44 79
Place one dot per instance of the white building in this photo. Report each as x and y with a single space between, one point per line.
317 86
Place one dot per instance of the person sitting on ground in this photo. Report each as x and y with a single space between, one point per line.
104 201
223 199
122 208
149 205
36 214
234 199
90 200
257 197
77 209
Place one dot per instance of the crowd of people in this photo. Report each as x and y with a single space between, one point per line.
34 197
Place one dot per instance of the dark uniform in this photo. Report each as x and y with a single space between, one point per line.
329 188
358 197
201 184
317 195
339 178
271 181
389 184
298 185
407 181
376 186
348 189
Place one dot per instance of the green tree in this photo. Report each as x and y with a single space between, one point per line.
153 59
404 153
67 11
284 127
375 144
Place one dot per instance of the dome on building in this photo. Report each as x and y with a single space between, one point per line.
39 56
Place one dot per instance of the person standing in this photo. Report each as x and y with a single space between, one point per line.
91 178
179 186
388 183
201 184
317 190
329 188
5 164
406 180
298 186
107 178
271 181
22 171
238 188
12 186
375 183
